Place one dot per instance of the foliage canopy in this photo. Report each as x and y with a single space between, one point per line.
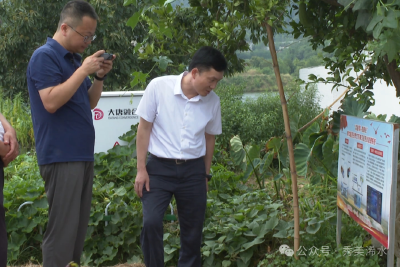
26 24
355 33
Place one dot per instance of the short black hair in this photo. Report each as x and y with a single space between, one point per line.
74 11
208 57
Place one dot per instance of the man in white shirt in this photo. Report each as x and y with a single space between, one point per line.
179 118
8 152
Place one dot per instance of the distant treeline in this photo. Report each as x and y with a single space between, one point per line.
259 75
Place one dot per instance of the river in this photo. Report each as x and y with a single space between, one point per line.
252 95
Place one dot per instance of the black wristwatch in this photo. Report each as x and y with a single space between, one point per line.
100 79
208 176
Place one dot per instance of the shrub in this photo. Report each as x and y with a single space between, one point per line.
256 120
18 113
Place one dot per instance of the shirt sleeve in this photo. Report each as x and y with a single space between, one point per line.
214 126
45 70
147 108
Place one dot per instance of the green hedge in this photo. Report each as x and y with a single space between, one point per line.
18 113
257 120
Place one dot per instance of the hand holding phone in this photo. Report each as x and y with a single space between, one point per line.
107 56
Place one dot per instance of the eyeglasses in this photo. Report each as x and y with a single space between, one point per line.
85 38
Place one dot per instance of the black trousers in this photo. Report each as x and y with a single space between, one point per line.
187 182
3 231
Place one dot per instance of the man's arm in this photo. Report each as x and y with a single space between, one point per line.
10 139
95 93
56 96
6 125
210 144
142 145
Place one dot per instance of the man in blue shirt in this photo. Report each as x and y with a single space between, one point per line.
61 97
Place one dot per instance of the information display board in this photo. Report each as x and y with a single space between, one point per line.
113 116
367 169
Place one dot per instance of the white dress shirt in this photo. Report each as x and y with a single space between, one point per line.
1 132
179 123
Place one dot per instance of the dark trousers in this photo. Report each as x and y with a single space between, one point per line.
68 188
3 231
187 183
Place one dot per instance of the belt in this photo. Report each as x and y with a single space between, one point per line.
175 161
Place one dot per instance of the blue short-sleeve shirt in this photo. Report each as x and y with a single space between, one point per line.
67 134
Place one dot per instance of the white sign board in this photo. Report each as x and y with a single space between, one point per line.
113 116
367 174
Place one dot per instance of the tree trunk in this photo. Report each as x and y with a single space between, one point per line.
288 137
394 74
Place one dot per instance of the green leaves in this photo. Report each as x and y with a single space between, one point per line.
133 21
163 62
139 78
302 156
248 156
121 191
274 143
318 149
41 203
237 152
313 228
394 119
360 5
362 19
313 128
352 107
225 237
176 31
348 31
25 225
346 3
271 223
391 20
16 241
129 2
377 30
39 19
328 156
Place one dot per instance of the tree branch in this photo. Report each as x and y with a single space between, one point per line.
332 2
331 105
394 74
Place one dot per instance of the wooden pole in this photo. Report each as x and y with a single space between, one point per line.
293 172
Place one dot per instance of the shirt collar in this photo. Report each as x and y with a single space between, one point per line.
61 50
178 89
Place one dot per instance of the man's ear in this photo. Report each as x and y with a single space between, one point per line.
194 72
64 28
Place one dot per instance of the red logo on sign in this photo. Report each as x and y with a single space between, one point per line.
98 114
116 144
346 141
359 145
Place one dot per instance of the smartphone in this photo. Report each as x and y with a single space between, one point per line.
107 56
